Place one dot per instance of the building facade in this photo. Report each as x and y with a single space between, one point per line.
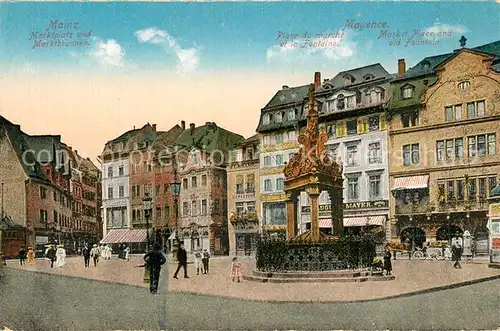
202 158
278 130
243 197
352 110
444 125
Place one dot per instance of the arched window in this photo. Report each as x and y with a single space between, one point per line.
463 85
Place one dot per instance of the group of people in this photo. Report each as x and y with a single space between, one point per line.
56 254
30 255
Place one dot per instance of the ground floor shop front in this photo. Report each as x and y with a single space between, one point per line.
212 238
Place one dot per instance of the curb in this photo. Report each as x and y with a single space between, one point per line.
78 277
397 296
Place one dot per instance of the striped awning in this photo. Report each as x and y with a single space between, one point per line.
354 221
325 223
118 236
411 183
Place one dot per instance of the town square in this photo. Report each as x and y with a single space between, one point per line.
256 170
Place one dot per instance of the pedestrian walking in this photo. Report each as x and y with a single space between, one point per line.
86 255
197 262
447 253
31 255
182 258
457 245
235 269
22 256
127 253
60 256
109 251
205 260
387 261
51 255
154 260
95 252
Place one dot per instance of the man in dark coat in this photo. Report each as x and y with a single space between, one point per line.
22 256
154 260
51 255
182 258
86 255
205 260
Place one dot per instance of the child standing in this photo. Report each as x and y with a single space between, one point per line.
235 269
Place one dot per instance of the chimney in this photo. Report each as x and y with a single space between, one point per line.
208 123
134 127
285 87
76 152
154 127
401 67
191 126
317 79
183 125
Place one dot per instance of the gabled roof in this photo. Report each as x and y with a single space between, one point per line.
21 143
287 96
167 138
209 137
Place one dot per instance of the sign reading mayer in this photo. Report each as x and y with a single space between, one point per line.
352 205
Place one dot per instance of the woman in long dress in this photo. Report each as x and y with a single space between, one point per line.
235 269
60 256
127 253
31 255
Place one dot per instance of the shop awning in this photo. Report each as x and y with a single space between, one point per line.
325 223
118 236
411 183
355 221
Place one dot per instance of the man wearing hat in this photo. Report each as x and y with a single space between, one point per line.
51 255
457 245
154 260
95 252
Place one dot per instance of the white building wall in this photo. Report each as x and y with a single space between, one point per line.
115 181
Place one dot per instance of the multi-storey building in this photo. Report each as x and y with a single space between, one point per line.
444 125
243 197
203 155
351 107
278 129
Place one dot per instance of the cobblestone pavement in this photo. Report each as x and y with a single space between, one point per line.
411 276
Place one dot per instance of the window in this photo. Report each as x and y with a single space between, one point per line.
240 208
460 190
157 190
450 150
472 146
279 138
351 155
374 123
279 117
158 212
239 188
110 193
280 184
411 154
449 113
439 150
204 207
409 119
458 112
340 102
352 127
350 101
459 147
279 159
451 190
332 151
492 143
472 189
374 186
266 119
204 180
194 209
249 154
374 153
120 171
185 209
43 193
407 92
110 171
267 161
193 181
268 185
493 183
194 158
374 97
330 130
121 191
352 188
292 136
463 85
167 212
43 216
475 109
184 183
482 187
274 214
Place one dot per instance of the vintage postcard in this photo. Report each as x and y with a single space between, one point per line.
249 166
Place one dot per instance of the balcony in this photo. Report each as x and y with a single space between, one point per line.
245 195
248 216
463 205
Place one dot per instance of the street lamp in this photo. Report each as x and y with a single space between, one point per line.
147 206
176 191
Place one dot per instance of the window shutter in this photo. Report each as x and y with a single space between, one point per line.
360 126
339 129
365 125
383 122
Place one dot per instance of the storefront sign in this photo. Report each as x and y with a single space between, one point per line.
495 243
495 209
115 203
351 206
42 240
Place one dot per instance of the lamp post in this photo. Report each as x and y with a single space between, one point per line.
147 208
176 191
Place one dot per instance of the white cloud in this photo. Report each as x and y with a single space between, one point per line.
329 46
108 52
188 59
440 28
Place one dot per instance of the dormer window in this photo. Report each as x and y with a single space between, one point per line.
271 118
374 96
340 102
279 117
464 85
348 79
368 77
265 120
407 92
426 64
